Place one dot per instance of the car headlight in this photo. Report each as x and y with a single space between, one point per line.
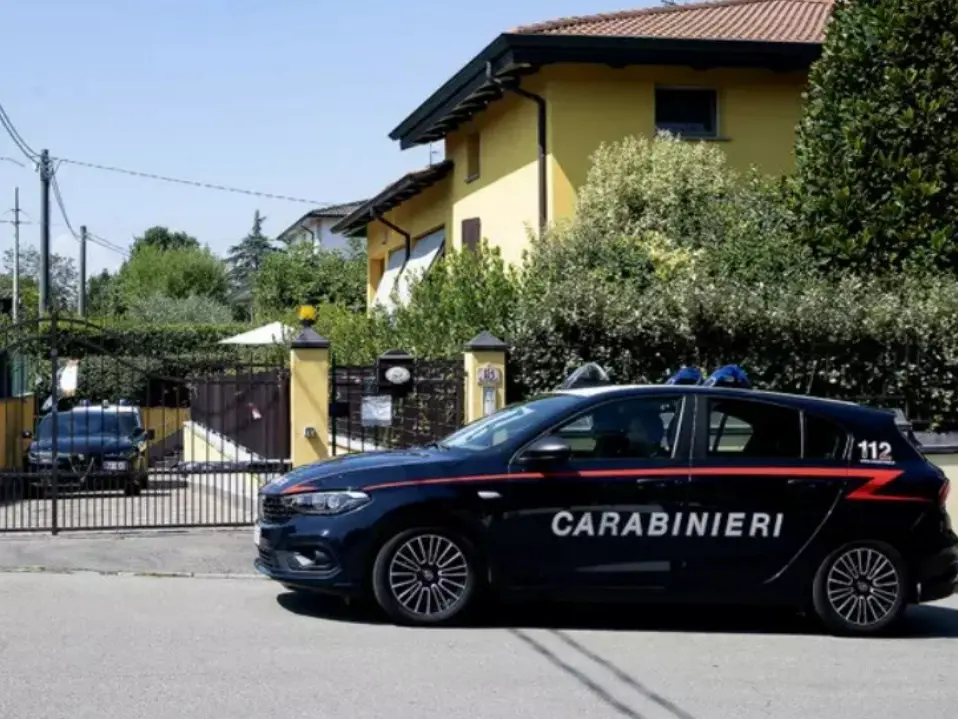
337 502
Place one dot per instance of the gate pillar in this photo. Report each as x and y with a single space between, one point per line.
485 376
308 393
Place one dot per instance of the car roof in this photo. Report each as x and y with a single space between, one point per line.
799 401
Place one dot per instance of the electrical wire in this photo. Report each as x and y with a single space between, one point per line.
95 239
17 138
193 183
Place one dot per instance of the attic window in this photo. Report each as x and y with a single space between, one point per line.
472 157
686 111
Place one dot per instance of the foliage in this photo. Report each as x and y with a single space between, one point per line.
305 274
104 295
63 277
877 152
247 256
165 310
177 273
163 238
848 338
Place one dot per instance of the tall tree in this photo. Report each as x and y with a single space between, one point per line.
177 273
246 257
164 238
877 150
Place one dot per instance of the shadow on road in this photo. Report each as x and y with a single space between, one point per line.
925 622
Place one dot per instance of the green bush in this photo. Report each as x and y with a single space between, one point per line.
877 152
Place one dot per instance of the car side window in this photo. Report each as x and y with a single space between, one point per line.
824 439
641 428
759 430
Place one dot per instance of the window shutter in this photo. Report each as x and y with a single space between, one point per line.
471 233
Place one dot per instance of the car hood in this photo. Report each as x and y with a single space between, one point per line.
355 471
85 444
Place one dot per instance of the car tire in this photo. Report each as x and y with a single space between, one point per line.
846 607
398 586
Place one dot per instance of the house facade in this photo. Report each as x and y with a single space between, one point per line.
521 120
316 227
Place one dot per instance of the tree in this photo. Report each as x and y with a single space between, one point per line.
104 295
305 274
177 273
63 275
164 239
877 152
246 258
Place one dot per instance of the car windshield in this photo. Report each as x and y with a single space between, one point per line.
507 423
73 424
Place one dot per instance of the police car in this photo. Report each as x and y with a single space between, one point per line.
98 446
686 492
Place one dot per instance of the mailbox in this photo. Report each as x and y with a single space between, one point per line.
394 373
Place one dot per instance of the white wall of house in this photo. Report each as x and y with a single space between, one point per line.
319 230
327 239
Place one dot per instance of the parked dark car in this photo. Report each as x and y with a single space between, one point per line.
96 447
681 493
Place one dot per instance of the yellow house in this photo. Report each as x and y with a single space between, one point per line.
521 119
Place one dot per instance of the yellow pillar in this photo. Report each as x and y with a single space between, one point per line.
308 393
485 361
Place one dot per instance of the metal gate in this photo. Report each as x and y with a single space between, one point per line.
96 434
395 403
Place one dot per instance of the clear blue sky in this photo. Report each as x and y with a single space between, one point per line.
289 97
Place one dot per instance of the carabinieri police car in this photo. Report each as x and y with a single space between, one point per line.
691 491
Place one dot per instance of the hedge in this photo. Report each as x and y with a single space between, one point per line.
851 339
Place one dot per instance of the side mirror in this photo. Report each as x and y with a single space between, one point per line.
548 449
150 434
26 434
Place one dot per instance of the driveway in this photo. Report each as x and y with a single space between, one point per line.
117 647
170 500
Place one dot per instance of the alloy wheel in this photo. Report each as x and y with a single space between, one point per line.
428 575
863 586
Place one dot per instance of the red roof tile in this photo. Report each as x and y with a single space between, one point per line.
759 20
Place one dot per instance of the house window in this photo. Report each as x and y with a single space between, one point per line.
472 157
688 112
394 266
424 253
471 233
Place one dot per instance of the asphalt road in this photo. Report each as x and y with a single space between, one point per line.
169 501
111 647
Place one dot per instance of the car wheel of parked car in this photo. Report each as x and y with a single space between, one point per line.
861 588
425 576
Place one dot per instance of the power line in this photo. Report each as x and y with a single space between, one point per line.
17 138
95 239
193 183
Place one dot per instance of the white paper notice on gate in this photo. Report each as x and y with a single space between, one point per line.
69 377
377 411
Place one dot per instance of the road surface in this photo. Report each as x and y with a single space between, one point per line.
88 646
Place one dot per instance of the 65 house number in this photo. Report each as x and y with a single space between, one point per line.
875 451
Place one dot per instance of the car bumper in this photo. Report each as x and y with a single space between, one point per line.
39 475
304 553
937 576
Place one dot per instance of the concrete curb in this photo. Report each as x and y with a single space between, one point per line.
41 569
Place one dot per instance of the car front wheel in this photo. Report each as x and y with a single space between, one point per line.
425 576
861 589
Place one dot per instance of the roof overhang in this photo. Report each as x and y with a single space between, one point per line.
510 56
328 212
398 192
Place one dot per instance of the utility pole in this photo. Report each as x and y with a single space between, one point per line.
16 255
46 175
81 297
